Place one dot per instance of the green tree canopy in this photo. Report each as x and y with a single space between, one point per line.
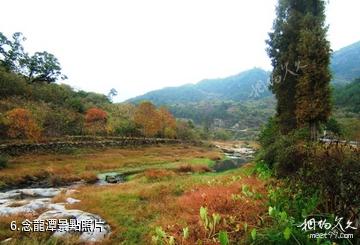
43 67
12 52
39 67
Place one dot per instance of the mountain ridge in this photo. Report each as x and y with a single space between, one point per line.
249 84
211 89
345 64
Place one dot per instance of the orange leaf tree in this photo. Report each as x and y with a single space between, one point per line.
95 121
147 117
167 123
22 125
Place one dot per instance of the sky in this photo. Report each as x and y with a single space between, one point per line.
136 46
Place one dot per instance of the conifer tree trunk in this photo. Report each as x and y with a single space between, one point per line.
313 131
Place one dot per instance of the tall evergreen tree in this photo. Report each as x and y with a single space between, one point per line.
300 56
313 87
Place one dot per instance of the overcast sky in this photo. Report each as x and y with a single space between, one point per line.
136 46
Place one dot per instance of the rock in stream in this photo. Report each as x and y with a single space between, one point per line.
110 178
236 157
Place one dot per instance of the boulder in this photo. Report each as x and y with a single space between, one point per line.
41 192
10 194
13 207
71 200
114 178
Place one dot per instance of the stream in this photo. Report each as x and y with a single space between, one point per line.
236 156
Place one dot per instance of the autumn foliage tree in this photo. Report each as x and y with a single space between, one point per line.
22 125
147 117
167 123
96 121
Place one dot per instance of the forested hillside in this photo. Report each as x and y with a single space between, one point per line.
34 107
37 111
348 96
346 101
240 104
211 103
250 84
345 64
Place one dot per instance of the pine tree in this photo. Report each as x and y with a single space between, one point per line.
300 56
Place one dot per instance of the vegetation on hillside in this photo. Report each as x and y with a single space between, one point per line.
239 87
34 107
239 119
211 102
347 97
345 64
347 110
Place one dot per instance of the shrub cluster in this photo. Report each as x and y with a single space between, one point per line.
324 174
334 170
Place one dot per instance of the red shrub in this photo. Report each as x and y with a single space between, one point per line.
219 199
95 121
158 174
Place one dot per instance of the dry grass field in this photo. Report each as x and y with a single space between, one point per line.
167 190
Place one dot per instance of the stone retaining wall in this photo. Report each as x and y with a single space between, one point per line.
63 146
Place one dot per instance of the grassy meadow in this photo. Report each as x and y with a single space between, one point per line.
168 187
